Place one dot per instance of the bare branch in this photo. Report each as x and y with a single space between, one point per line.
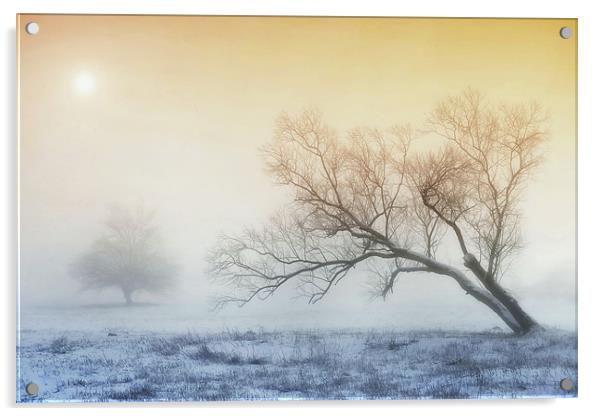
498 147
361 200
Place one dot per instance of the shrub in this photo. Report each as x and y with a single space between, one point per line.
204 353
163 346
136 392
61 345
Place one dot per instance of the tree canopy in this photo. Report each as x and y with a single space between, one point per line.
367 198
128 256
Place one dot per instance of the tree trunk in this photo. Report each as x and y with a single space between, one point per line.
524 320
485 297
527 323
127 294
497 299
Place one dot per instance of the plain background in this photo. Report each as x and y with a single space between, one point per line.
590 68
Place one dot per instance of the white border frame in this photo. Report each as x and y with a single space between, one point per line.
589 173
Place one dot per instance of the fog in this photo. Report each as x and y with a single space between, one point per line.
171 116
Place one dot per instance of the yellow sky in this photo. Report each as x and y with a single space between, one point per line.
374 71
176 107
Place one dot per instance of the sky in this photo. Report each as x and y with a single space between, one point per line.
169 112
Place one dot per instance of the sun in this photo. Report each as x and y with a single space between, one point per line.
84 83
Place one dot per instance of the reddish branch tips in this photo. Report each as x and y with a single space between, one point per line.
365 198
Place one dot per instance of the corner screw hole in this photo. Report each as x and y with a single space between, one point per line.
566 32
32 389
32 28
566 384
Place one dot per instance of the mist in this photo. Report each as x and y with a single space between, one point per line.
176 126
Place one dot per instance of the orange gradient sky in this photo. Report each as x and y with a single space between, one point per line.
171 111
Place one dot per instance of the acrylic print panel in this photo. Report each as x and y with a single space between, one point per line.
274 208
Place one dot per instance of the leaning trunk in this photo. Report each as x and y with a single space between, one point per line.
481 294
485 297
525 322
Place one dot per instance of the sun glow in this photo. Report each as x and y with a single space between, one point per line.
84 83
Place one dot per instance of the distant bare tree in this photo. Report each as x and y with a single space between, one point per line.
128 256
366 199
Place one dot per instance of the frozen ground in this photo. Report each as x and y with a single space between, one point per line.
128 361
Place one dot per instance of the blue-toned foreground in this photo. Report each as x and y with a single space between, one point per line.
318 364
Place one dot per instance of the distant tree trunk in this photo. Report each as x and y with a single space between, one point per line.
127 294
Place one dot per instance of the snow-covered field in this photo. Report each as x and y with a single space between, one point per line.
132 360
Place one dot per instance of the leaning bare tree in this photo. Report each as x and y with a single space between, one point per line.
127 257
366 199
